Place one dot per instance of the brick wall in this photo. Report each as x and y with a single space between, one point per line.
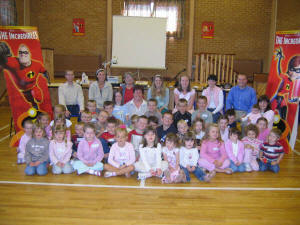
288 17
54 21
241 27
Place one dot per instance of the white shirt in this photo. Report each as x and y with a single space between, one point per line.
212 104
151 157
188 156
133 110
186 96
71 95
235 149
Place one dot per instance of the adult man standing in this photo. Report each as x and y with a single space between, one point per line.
241 97
70 95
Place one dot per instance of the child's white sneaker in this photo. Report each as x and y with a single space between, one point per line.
109 174
248 167
143 176
20 161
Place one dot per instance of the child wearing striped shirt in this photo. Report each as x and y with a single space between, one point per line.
271 152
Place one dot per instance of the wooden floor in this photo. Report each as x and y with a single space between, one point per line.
248 198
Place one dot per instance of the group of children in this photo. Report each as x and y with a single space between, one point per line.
168 146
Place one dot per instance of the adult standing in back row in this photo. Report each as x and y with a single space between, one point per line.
215 97
241 97
185 91
100 90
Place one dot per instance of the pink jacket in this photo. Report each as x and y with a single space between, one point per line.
90 154
60 152
229 151
22 145
116 157
263 135
254 143
212 151
216 91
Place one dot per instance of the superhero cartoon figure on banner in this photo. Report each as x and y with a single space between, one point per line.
24 72
289 88
26 81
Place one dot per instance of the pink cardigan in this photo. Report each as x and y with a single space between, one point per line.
216 91
229 151
60 152
90 154
114 157
212 151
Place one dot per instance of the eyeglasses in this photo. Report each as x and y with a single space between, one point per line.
23 52
297 70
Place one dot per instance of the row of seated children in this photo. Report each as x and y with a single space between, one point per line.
214 157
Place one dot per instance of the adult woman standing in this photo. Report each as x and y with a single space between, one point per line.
100 90
160 92
185 91
215 97
127 88
265 110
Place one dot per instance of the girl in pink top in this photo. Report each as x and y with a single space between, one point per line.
263 130
235 151
251 144
265 110
213 155
121 156
90 153
171 155
60 151
44 120
28 126
223 126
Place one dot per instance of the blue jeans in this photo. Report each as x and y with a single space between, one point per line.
215 116
199 173
267 166
235 168
41 169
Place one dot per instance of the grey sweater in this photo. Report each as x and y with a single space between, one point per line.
37 150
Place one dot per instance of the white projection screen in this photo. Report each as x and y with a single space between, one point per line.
139 42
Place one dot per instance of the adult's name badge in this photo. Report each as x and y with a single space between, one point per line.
95 145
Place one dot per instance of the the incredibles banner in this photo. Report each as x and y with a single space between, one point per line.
25 75
284 84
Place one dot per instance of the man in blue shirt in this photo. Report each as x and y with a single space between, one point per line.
241 97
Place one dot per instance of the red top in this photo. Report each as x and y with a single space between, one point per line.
128 96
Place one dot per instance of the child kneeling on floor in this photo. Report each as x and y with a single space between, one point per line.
37 152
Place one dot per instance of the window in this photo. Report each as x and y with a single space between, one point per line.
171 9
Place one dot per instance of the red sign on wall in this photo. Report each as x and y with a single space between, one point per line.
78 27
208 30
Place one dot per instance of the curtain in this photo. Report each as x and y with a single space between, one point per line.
174 11
171 9
137 8
8 13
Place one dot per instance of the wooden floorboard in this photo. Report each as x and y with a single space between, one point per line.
124 201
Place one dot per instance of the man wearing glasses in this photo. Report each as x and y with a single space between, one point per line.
24 72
